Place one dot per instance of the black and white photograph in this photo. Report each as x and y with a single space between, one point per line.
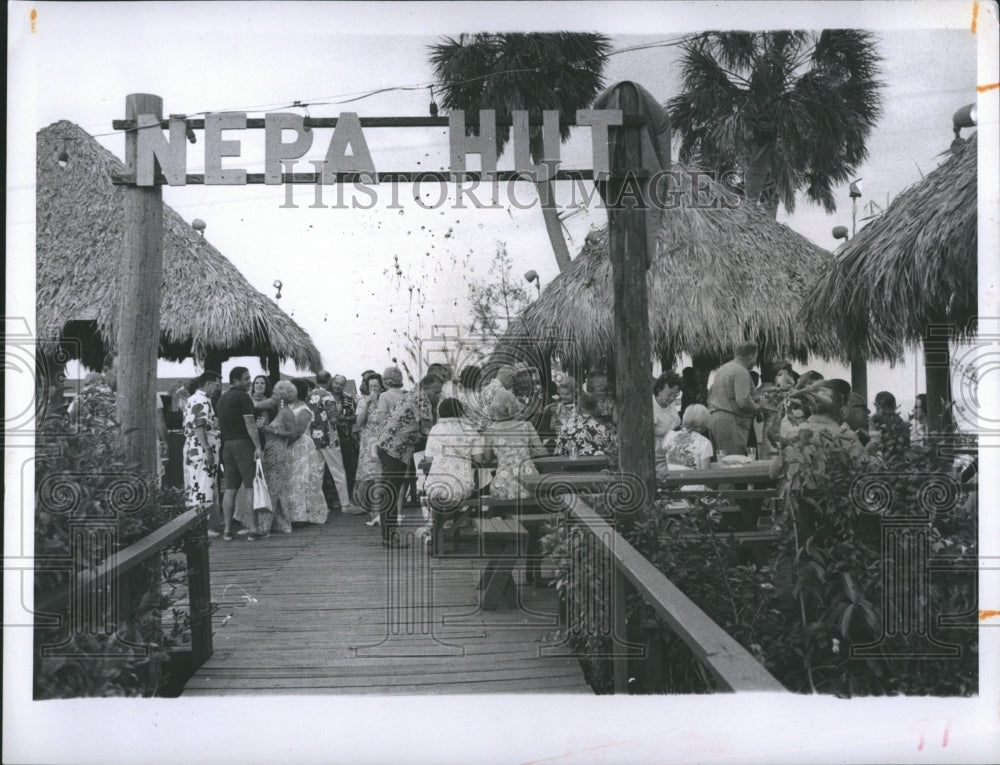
542 382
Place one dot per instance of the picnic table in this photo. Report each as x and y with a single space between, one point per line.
578 464
756 473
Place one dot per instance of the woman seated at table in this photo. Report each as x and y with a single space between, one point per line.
826 423
585 432
690 447
451 448
512 442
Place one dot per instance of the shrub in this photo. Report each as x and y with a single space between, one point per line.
86 488
801 609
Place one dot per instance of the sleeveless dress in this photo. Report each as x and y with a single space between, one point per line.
304 491
513 442
369 467
277 464
200 466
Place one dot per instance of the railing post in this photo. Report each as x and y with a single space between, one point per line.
199 592
619 629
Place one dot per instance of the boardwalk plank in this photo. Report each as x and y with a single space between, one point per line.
308 613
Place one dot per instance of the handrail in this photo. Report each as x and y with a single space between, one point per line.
118 565
732 665
123 561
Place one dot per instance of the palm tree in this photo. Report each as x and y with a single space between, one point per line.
532 72
783 110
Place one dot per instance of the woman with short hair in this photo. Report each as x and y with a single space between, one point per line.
451 448
367 425
512 442
585 433
690 447
201 444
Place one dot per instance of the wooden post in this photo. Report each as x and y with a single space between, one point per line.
859 376
199 593
139 299
937 358
633 352
213 360
273 373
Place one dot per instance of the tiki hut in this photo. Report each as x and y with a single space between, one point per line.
209 310
723 272
913 266
910 276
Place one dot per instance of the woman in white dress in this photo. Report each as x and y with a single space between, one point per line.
452 445
666 392
201 444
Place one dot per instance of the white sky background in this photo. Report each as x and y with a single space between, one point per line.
81 62
333 262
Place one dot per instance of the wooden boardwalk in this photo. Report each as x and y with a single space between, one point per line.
329 610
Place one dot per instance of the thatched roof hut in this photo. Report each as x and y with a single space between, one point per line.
209 308
915 265
723 272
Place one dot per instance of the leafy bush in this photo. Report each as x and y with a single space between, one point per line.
819 593
86 489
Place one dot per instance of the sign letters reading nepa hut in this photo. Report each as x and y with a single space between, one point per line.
347 151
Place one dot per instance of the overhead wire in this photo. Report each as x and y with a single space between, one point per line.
354 96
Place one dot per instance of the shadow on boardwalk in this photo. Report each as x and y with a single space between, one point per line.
329 610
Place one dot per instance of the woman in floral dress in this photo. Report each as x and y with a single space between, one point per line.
201 444
277 462
512 442
689 447
581 432
367 425
301 490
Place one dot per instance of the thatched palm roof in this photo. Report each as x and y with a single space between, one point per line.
721 274
207 305
915 265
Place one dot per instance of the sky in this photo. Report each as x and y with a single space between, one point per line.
337 266
78 61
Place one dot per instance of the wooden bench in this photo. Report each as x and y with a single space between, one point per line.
503 541
528 513
742 508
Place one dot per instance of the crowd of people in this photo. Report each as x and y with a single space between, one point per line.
321 450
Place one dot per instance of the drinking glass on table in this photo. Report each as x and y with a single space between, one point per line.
752 452
720 455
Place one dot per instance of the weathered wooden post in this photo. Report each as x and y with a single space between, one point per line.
937 377
139 289
627 196
629 264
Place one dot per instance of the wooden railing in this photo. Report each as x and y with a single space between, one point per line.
113 574
730 663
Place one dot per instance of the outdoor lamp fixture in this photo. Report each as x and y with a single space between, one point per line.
965 117
277 286
532 276
433 106
839 232
855 193
199 225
